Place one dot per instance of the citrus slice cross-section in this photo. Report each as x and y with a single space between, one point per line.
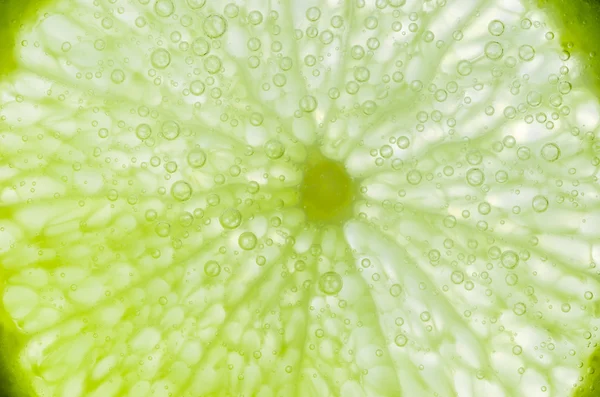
300 198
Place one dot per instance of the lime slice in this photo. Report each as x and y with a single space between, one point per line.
303 198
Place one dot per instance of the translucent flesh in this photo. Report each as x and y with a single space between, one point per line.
311 200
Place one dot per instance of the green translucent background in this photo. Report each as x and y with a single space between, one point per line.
580 22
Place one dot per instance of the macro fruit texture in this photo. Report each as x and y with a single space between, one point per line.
304 198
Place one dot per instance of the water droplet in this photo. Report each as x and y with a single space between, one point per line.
160 58
395 290
550 152
117 76
457 277
313 14
496 27
231 10
181 191
164 8
196 158
143 131
526 53
509 259
362 74
520 308
396 3
231 218
414 177
539 203
400 340
517 350
162 229
484 208
475 177
464 68
274 149
196 4
163 300
493 50
212 268
330 283
170 130
534 98
200 46
308 103
511 279
450 221
99 45
212 64
215 26
247 241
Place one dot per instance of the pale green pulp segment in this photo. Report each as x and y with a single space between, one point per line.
299 198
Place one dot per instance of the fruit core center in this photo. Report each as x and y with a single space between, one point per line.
327 191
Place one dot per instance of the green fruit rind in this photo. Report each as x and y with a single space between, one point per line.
15 15
579 25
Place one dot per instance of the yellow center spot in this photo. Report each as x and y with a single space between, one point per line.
327 191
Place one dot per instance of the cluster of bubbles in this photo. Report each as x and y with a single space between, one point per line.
466 149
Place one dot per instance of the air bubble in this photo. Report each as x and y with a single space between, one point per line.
255 17
143 131
196 4
396 3
403 142
200 46
231 10
117 76
511 279
212 268
160 58
215 26
197 88
539 203
534 98
247 241
164 8
337 21
493 50
330 283
550 152
496 27
196 158
509 259
523 153
212 64
274 149
313 14
400 340
475 177
308 103
457 277
361 74
162 229
414 177
464 68
181 191
231 218
526 52
170 130
395 290
519 308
